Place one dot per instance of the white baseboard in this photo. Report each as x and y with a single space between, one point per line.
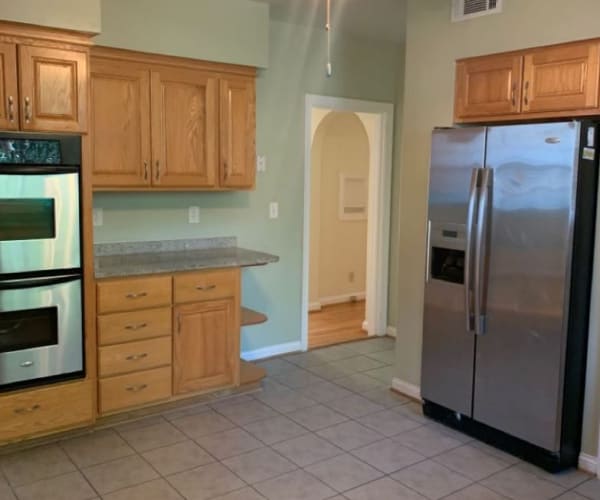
406 388
391 331
269 352
588 463
340 299
314 306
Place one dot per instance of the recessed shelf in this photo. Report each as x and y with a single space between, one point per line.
251 317
251 373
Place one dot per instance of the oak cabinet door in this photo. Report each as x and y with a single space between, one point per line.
488 86
120 124
53 89
184 128
9 97
561 78
238 130
206 346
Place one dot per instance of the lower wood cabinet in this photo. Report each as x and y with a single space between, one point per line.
134 389
41 411
206 345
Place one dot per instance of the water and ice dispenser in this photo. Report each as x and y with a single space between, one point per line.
446 252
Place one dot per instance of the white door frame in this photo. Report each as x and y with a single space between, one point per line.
380 195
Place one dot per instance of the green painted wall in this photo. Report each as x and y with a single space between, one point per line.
231 31
432 45
363 70
79 15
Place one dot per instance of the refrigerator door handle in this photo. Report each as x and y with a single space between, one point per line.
469 247
482 216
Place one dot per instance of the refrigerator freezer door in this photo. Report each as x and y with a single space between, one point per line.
519 358
448 348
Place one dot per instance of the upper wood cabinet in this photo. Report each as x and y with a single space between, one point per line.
53 89
561 78
546 82
43 79
170 123
488 86
184 128
120 124
238 125
9 96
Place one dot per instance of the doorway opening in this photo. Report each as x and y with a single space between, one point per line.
347 196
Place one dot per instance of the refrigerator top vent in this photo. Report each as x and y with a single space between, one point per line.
463 10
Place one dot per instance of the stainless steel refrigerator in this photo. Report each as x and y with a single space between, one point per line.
510 237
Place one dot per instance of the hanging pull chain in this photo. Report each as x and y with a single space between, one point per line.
328 30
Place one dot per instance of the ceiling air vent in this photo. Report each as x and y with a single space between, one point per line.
467 9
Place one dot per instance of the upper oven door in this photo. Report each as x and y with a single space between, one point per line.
39 219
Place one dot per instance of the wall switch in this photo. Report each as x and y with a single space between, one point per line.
261 163
98 216
273 210
194 215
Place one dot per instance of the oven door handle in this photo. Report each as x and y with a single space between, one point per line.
19 284
23 169
11 329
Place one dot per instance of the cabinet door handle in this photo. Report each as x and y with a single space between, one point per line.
136 388
23 411
205 288
526 96
136 327
157 170
11 109
226 170
513 91
136 295
145 170
137 357
179 323
27 110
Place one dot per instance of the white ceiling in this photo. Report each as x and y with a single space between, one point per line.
378 19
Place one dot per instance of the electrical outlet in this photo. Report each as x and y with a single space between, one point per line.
261 163
98 216
194 215
273 210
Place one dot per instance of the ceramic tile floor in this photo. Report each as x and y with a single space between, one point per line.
325 426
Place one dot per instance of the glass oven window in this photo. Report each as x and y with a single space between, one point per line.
27 219
28 329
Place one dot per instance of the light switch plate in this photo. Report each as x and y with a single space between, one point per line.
273 210
98 217
194 215
261 163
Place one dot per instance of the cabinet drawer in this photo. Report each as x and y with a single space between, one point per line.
135 325
134 356
134 389
134 293
206 285
42 411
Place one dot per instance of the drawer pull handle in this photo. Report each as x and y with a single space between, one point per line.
136 357
136 327
31 409
136 295
206 288
136 388
26 364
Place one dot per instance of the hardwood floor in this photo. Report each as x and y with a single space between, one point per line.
335 324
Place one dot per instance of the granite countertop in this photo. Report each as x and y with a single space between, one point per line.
154 257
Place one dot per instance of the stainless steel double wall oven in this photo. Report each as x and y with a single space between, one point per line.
41 325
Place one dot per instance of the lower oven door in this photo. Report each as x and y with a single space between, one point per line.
41 329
